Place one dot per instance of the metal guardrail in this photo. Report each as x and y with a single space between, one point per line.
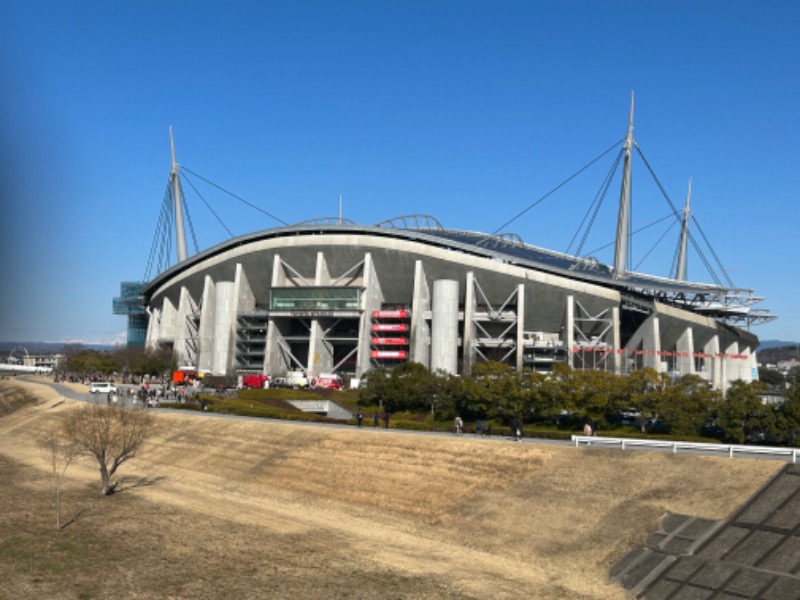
690 447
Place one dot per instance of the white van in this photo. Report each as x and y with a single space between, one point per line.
102 387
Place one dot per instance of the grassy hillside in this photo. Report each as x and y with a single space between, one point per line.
226 507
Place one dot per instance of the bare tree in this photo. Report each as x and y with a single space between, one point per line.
113 435
59 452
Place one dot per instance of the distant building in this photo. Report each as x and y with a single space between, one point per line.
784 366
129 303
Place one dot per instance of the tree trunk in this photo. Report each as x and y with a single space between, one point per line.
105 477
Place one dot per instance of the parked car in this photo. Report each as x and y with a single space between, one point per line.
102 387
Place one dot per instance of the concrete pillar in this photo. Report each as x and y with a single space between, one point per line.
569 333
444 325
730 366
321 274
372 299
713 364
652 344
153 328
205 335
615 341
420 334
224 328
520 325
684 362
468 351
273 363
320 352
183 346
245 299
168 321
751 365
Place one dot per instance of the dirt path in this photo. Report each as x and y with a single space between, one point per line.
482 518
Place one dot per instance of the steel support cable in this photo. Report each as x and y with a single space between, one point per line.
706 263
158 234
631 205
673 267
713 253
151 256
677 213
653 247
596 203
656 222
208 206
191 224
240 199
166 238
555 189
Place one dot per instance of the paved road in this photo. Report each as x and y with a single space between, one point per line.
68 392
125 400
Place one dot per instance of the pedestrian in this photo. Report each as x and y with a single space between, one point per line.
487 431
108 398
478 427
375 419
516 429
386 419
360 418
459 425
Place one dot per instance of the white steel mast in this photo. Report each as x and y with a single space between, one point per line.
623 220
680 270
175 182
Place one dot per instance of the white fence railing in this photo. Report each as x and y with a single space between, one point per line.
690 447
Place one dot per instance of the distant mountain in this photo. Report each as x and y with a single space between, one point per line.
47 347
767 344
773 354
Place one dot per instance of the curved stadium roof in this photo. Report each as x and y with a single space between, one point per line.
724 303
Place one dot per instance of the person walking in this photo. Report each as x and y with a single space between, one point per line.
516 429
478 425
375 419
360 418
386 419
459 425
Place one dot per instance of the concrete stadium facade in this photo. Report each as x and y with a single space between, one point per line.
345 298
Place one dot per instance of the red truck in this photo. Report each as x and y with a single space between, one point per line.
255 382
329 381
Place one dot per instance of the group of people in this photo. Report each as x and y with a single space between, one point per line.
376 418
481 429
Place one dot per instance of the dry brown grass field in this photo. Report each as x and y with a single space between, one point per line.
229 508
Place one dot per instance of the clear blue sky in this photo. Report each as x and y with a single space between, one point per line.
468 111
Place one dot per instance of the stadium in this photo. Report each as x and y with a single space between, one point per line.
333 296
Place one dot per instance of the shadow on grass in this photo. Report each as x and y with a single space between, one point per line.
126 484
74 518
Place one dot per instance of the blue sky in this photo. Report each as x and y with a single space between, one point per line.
468 111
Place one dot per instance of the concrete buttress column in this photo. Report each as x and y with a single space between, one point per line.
569 330
685 348
652 344
712 367
615 341
520 325
468 349
205 335
420 342
444 342
224 327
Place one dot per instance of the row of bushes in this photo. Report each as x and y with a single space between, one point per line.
268 406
